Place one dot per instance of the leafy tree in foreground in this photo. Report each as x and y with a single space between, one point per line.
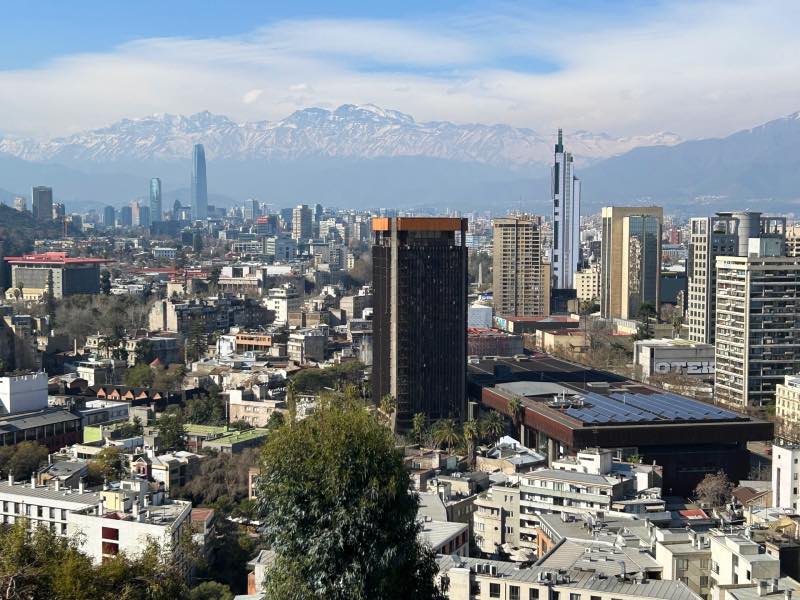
22 459
334 499
171 431
211 590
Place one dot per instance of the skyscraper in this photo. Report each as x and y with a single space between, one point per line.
155 200
42 203
252 209
630 260
725 234
566 195
419 268
757 317
302 223
109 216
199 183
125 216
521 278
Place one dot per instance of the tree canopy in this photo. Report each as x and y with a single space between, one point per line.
335 501
22 459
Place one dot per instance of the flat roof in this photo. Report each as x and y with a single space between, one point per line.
239 436
53 258
47 416
418 223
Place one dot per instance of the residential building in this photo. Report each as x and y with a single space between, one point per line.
492 342
521 277
213 314
496 521
281 248
173 470
126 517
282 301
757 317
685 556
793 240
725 234
23 393
481 579
302 223
445 538
35 274
787 406
51 427
162 252
42 203
235 442
566 196
307 346
630 260
244 405
786 474
420 315
199 185
587 284
21 203
736 559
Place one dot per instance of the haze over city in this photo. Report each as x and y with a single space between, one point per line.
370 301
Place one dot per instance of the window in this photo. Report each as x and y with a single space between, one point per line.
110 533
494 590
533 594
513 592
703 581
110 549
681 564
574 596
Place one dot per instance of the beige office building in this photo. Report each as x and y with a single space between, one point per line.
631 260
587 284
520 275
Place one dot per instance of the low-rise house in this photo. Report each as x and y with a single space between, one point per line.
233 443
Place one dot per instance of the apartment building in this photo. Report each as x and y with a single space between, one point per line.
282 301
736 559
787 406
757 317
786 474
521 277
685 556
587 284
479 579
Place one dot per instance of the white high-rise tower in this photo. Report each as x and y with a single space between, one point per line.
566 193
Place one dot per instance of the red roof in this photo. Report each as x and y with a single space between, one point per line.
59 258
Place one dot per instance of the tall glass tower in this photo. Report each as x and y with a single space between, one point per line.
199 184
566 192
155 200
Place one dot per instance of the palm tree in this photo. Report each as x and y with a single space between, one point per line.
445 432
418 424
472 432
515 410
494 426
388 407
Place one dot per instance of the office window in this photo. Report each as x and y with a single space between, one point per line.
494 590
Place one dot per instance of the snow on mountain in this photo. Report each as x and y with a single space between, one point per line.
365 131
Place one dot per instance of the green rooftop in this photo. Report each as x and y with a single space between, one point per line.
241 436
206 429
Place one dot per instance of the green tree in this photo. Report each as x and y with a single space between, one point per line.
105 282
276 421
129 429
645 317
140 375
516 411
210 590
291 400
145 352
494 426
388 406
23 459
171 431
419 427
445 433
108 464
334 499
472 433
715 489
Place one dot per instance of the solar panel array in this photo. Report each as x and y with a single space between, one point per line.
625 407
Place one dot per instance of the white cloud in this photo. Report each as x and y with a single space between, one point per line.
695 68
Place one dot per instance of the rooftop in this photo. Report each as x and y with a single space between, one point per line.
60 258
241 436
23 489
509 571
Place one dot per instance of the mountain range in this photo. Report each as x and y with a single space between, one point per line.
359 156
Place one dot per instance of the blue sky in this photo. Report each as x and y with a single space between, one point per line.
695 67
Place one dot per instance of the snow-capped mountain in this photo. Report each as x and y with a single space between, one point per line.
349 131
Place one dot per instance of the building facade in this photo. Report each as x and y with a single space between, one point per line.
420 315
199 186
156 212
757 318
787 406
630 260
42 203
302 223
725 234
54 272
521 278
566 196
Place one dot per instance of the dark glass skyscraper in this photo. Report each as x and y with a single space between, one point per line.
199 184
420 318
42 203
155 200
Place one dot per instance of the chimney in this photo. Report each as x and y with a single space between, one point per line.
10 479
58 484
33 481
761 587
80 486
787 594
101 508
136 510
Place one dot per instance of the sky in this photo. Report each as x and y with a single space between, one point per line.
697 68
